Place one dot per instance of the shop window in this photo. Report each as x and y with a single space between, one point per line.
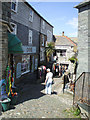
14 4
14 27
25 65
31 16
30 37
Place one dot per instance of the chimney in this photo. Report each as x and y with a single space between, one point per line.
63 33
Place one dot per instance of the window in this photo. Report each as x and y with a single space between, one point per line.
14 4
18 70
43 39
25 65
30 38
43 24
63 53
42 55
14 26
31 16
49 36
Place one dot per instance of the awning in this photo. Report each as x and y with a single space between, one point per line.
14 44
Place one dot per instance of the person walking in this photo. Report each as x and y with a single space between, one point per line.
48 82
65 79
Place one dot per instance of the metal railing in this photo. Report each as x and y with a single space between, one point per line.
82 89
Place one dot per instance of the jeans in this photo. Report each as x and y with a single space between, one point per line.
48 88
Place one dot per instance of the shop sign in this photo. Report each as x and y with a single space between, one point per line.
29 49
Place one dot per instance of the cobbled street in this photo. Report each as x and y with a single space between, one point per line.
33 103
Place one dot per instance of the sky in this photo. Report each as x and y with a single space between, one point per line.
61 15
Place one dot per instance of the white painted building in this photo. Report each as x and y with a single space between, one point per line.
64 48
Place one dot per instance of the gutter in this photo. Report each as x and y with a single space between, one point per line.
82 4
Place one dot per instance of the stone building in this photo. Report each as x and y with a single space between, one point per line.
82 85
83 36
33 31
5 15
64 48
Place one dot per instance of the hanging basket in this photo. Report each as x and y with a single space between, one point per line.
6 104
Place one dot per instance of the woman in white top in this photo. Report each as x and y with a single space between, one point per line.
48 81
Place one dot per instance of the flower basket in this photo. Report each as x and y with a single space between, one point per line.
6 104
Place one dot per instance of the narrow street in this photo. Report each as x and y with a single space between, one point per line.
33 103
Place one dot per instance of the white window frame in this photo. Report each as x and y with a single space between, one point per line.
43 24
16 3
30 37
14 28
43 39
31 15
49 36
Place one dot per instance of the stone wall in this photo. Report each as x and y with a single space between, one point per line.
82 42
5 18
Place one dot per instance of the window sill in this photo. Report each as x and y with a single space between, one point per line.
14 11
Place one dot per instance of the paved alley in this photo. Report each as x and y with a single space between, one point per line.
33 103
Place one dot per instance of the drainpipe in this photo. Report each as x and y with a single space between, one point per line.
39 42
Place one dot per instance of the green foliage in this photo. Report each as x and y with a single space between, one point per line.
73 112
73 59
77 112
50 49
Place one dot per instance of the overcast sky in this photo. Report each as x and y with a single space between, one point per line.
61 15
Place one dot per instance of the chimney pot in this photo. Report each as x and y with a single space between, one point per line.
63 33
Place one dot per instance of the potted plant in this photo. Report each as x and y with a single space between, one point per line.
5 104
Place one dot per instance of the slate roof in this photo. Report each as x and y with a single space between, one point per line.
83 3
64 41
75 39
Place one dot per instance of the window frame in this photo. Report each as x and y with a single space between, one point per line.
43 39
15 31
30 35
43 24
31 15
13 1
49 36
27 65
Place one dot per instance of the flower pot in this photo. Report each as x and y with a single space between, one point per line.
14 100
6 104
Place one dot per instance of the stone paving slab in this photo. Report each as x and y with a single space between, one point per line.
33 103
